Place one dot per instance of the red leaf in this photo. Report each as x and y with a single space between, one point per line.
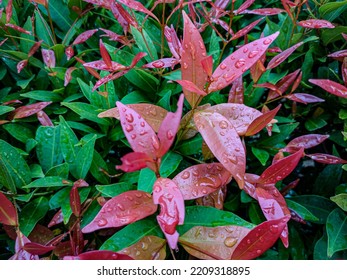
8 213
326 158
105 55
137 6
193 52
99 255
48 58
162 63
152 114
134 161
108 78
80 183
202 179
190 86
224 142
103 3
267 85
259 239
101 65
18 28
330 86
137 58
123 16
34 48
283 85
296 82
207 65
239 62
258 69
242 32
241 116
9 10
123 209
244 6
84 36
316 23
75 201
145 139
305 142
173 42
278 59
215 199
236 92
264 11
280 169
21 65
169 127
28 110
90 70
172 211
44 119
37 249
57 219
260 122
115 37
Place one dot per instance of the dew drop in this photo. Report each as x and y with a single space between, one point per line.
142 124
258 251
142 144
153 112
223 124
138 195
185 65
120 207
252 54
155 142
267 41
201 45
237 149
157 188
195 193
129 117
133 136
169 134
230 241
223 66
129 128
274 229
245 50
144 246
49 132
248 241
222 133
158 64
185 175
240 63
102 222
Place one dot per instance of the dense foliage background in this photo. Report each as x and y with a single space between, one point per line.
58 154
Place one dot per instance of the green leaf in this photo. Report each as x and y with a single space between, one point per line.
27 40
5 109
209 217
333 34
340 200
43 30
14 171
48 182
261 155
330 11
21 132
61 170
33 212
319 206
114 189
169 164
327 180
145 44
97 163
214 47
93 209
146 180
191 146
302 211
48 147
275 139
68 142
43 95
337 231
131 234
93 97
313 124
60 14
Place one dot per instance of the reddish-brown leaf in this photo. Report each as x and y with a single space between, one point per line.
114 36
169 127
44 119
173 42
213 243
193 52
9 10
191 87
18 28
316 23
90 70
268 86
28 110
123 209
69 52
305 142
330 86
280 169
8 213
137 58
296 82
102 3
84 36
172 210
239 62
134 161
119 13
244 6
105 55
236 92
258 69
147 248
259 239
75 201
162 63
57 219
108 78
207 65
262 121
68 75
139 133
21 65
283 84
326 158
339 55
264 11
202 179
37 249
42 235
224 142
99 255
48 58
244 31
278 59
34 48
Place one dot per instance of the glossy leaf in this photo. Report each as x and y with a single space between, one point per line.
193 52
99 255
326 158
337 230
147 248
262 121
202 179
344 70
259 239
340 200
84 36
283 84
330 86
280 169
304 98
239 62
316 23
8 213
278 59
172 209
306 142
189 86
169 127
213 243
134 161
236 92
224 142
121 210
44 119
28 110
244 31
37 249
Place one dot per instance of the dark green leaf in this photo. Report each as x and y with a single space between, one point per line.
169 164
337 231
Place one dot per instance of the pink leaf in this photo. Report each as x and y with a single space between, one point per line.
224 142
202 179
139 133
268 86
258 69
173 42
193 52
115 37
339 55
108 78
305 142
169 127
99 255
137 58
281 169
278 59
137 6
68 75
162 63
34 48
172 211
21 65
264 11
84 36
101 65
69 52
262 121
236 92
244 6
44 119
259 239
316 23
21 254
326 158
115 8
37 249
207 65
18 28
134 161
125 16
8 213
28 110
102 3
121 210
239 62
190 86
244 31
296 82
330 86
48 58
